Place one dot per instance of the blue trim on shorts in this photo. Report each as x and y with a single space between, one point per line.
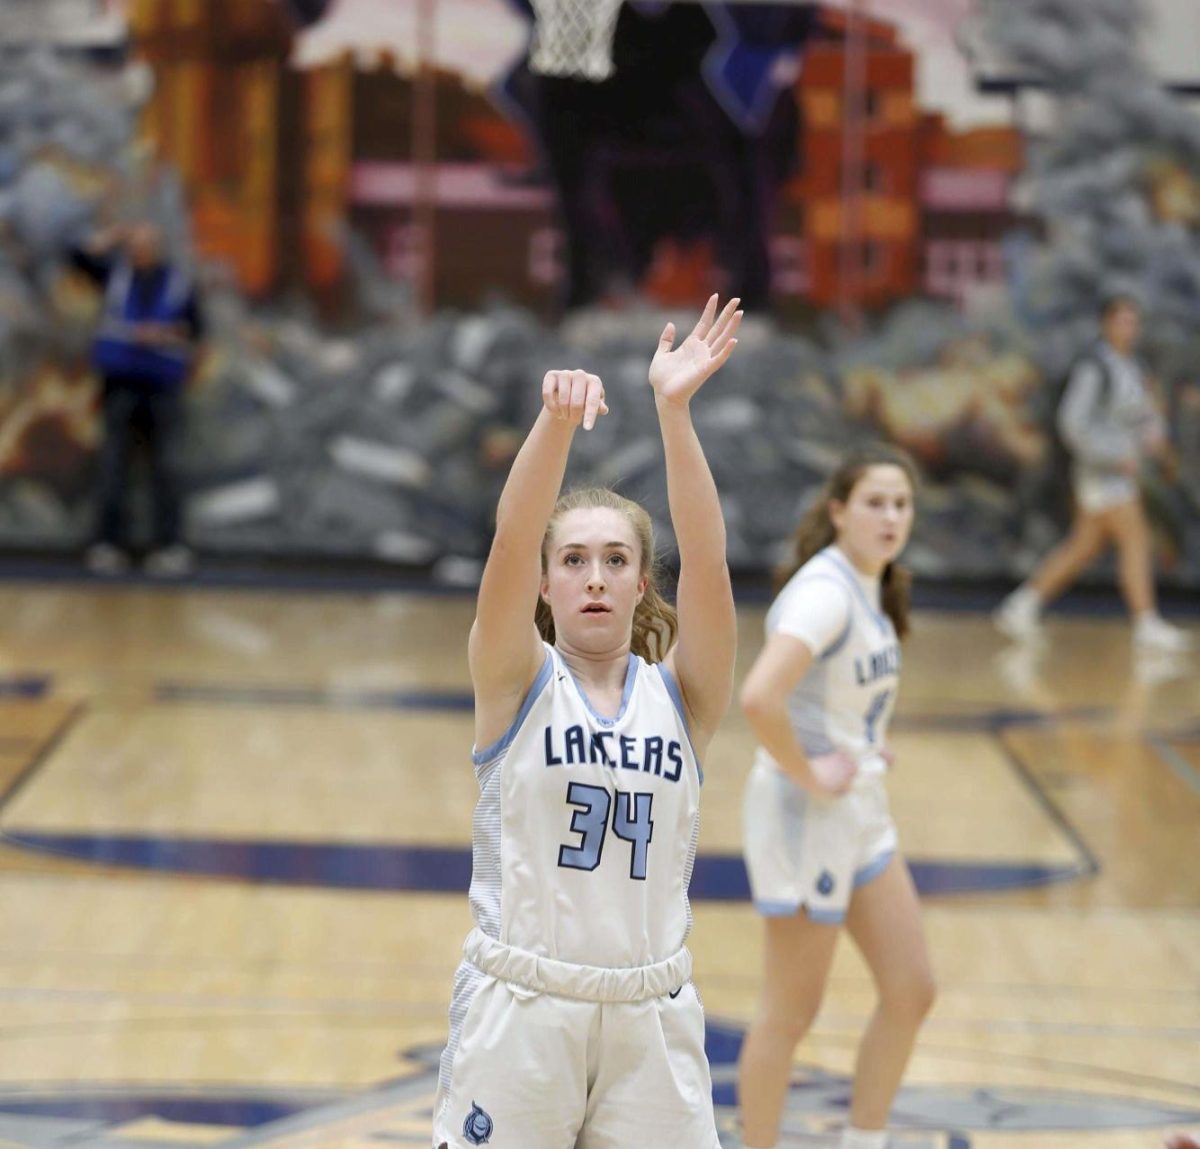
873 869
770 909
505 740
825 917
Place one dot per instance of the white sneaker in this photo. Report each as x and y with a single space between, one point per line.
1020 666
106 559
174 561
1151 632
1019 616
1152 667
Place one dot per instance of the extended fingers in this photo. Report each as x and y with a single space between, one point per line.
729 318
720 357
705 322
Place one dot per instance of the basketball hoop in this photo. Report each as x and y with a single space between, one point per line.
574 38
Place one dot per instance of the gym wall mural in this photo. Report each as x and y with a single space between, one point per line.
399 221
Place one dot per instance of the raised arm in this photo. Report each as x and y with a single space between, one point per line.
505 651
702 659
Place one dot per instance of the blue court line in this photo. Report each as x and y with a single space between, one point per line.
259 694
223 1108
446 869
1052 810
1177 763
298 579
25 686
42 756
996 721
313 576
232 695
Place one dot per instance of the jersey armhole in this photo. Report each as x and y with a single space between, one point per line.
836 644
676 695
482 757
833 647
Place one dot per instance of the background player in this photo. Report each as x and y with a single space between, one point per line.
819 839
1108 423
573 1021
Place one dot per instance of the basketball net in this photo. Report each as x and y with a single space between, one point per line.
574 38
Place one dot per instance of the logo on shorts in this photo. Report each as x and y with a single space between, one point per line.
477 1128
825 884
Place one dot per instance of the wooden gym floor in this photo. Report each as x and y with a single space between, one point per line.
234 847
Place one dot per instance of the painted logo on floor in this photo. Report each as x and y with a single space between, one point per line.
400 1112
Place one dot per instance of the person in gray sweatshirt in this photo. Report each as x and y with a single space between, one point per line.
1108 423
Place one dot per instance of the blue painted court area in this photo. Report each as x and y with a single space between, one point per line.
25 686
225 694
447 870
186 1107
431 869
946 1116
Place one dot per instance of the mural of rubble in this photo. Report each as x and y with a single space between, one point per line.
330 419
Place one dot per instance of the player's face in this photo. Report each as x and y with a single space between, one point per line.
593 579
1122 326
874 523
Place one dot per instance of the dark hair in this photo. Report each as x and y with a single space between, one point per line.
655 623
1111 303
816 530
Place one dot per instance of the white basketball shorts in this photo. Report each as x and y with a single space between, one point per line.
813 852
1096 493
529 1069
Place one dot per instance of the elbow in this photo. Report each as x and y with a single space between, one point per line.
754 702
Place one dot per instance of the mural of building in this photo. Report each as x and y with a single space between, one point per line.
928 206
493 220
882 208
965 204
262 149
277 162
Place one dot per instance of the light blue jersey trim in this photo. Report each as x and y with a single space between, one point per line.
843 564
630 679
873 869
840 641
669 681
539 683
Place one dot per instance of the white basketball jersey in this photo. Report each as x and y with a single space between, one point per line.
846 699
585 832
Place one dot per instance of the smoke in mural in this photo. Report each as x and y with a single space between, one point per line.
397 229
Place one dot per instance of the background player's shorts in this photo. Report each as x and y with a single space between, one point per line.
515 1074
1098 492
804 850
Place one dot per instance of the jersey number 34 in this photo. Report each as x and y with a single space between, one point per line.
631 822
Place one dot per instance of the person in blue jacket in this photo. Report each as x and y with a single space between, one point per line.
149 333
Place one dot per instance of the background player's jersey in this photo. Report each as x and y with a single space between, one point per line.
846 699
586 827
